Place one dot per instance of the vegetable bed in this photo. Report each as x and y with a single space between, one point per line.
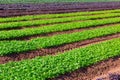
81 27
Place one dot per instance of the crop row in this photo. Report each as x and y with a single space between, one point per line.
9 47
33 17
53 28
54 21
42 68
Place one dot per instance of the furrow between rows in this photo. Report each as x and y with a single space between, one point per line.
42 68
10 47
6 35
50 16
104 70
55 50
54 21
33 36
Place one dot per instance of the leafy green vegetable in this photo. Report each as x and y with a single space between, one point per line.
42 68
54 28
54 21
33 17
9 47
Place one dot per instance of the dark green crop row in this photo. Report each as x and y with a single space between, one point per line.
54 21
54 28
32 17
42 68
9 47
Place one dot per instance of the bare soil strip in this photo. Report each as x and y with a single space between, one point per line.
99 71
59 32
54 6
54 50
12 13
48 8
112 74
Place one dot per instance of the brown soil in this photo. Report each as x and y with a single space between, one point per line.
48 8
113 74
104 70
54 50
99 71
10 13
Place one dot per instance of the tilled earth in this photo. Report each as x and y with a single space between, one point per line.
47 8
105 70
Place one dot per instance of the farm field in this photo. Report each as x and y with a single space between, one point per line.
80 41
7 10
52 1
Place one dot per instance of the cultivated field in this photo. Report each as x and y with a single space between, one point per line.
83 44
51 1
7 10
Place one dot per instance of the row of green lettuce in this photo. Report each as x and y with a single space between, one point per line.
42 68
33 17
5 35
54 21
10 47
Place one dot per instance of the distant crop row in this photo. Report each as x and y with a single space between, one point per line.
33 17
54 21
42 68
53 28
9 47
